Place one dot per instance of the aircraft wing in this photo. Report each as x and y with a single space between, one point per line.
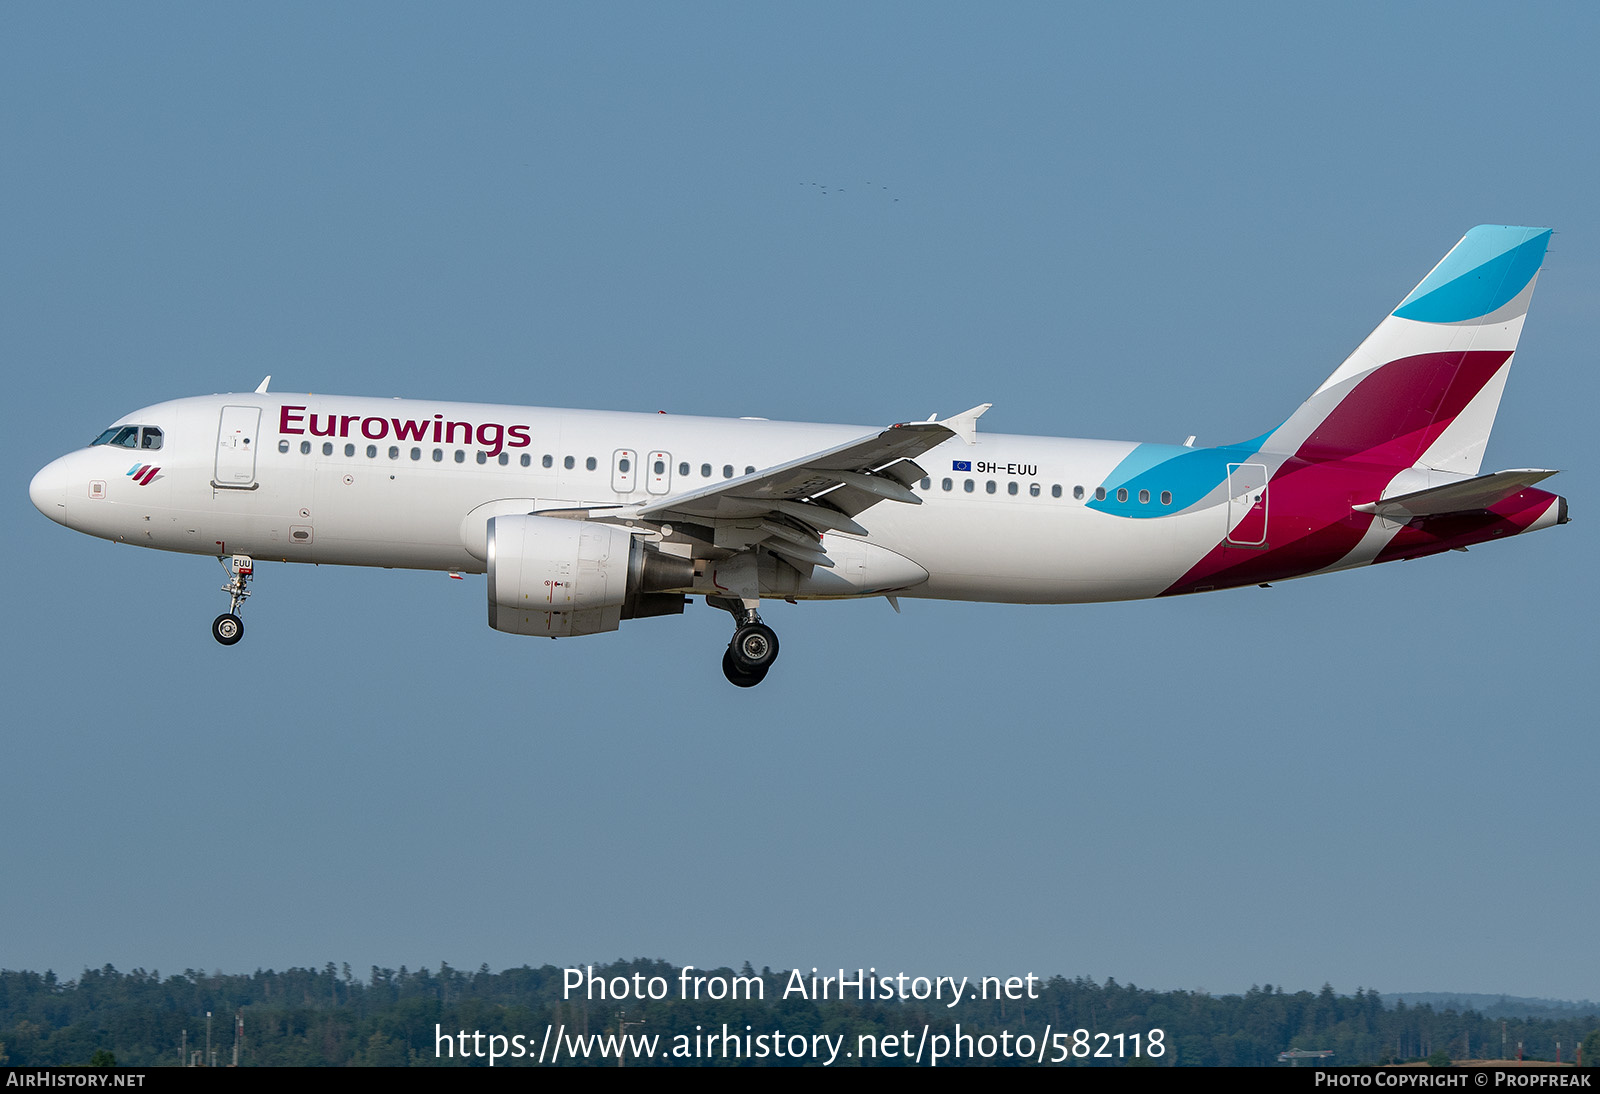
818 493
1467 496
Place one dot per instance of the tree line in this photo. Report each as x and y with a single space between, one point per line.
332 1017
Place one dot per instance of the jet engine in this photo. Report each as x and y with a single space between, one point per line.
561 578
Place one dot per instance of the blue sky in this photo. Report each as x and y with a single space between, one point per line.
1138 222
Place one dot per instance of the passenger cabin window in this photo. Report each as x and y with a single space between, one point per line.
283 446
569 463
727 470
349 450
590 463
527 460
549 460
305 448
327 448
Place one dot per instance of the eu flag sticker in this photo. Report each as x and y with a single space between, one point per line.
961 465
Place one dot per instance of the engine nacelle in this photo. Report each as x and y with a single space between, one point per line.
561 578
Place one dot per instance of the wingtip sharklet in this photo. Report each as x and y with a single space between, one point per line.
965 424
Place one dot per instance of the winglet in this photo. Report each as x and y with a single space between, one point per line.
262 390
965 424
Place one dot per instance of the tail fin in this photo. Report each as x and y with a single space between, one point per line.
1422 390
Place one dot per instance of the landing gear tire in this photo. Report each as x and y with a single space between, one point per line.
227 629
754 647
738 677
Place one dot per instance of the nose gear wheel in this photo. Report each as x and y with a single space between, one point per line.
229 628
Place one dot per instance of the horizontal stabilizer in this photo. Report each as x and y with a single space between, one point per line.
1466 496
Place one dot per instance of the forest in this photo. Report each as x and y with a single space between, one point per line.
333 1017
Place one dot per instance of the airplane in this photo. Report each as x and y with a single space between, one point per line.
582 519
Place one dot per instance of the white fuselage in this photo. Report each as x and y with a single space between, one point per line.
584 519
331 480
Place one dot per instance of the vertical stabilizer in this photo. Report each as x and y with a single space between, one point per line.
1423 389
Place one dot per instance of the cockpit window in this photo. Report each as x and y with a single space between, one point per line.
147 437
124 436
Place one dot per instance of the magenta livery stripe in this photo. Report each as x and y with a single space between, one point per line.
1393 414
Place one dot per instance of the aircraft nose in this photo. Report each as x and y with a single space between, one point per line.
48 491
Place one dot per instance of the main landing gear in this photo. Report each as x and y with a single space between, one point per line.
754 646
229 628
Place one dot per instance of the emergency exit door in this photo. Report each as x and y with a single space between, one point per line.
1247 504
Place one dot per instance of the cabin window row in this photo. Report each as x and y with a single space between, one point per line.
970 486
570 463
395 452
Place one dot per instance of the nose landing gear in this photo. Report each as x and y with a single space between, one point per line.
229 628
